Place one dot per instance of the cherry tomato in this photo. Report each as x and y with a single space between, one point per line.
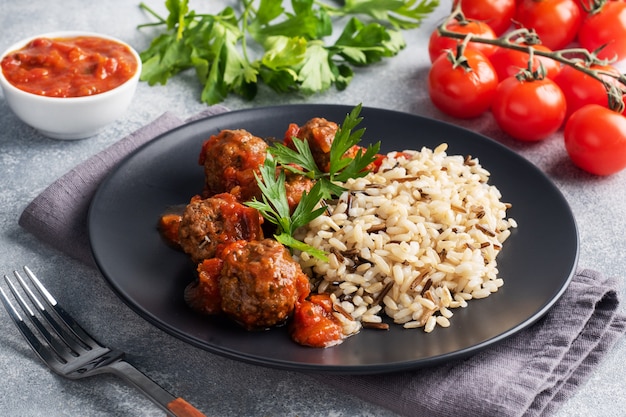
496 13
437 43
508 62
595 139
528 110
462 90
607 26
555 21
581 89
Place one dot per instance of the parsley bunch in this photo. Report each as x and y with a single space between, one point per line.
273 205
262 41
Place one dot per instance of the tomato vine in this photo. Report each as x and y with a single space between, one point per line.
525 40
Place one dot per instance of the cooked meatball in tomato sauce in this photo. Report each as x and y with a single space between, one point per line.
240 274
208 223
319 133
295 185
230 160
260 284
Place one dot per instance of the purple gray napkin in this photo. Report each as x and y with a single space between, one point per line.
530 374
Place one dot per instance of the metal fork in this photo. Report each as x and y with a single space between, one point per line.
71 352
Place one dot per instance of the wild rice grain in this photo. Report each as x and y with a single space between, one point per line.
430 324
375 325
442 321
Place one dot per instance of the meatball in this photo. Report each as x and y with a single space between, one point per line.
208 223
295 185
260 283
319 133
230 160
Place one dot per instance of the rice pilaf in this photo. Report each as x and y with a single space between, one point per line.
412 241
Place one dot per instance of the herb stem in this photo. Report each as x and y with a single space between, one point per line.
331 10
244 22
149 10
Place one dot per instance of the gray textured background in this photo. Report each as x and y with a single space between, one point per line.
30 162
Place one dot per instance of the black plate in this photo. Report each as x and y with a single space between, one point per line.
536 264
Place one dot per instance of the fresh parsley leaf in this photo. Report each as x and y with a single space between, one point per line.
357 167
343 76
294 243
411 13
315 74
176 19
301 156
166 58
268 10
345 139
283 52
362 44
305 25
398 13
274 205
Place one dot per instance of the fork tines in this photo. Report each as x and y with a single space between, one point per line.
63 335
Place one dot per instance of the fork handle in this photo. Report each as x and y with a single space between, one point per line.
181 408
173 406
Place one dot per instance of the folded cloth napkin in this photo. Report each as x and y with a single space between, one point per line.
529 374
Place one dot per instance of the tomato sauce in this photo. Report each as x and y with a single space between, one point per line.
69 67
314 324
168 226
203 295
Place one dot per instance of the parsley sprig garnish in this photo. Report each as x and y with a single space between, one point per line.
233 51
341 167
273 205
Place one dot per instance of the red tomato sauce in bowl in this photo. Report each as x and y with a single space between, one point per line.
69 67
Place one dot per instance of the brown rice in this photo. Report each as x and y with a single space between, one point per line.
413 241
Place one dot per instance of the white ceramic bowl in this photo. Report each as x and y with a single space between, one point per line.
69 117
